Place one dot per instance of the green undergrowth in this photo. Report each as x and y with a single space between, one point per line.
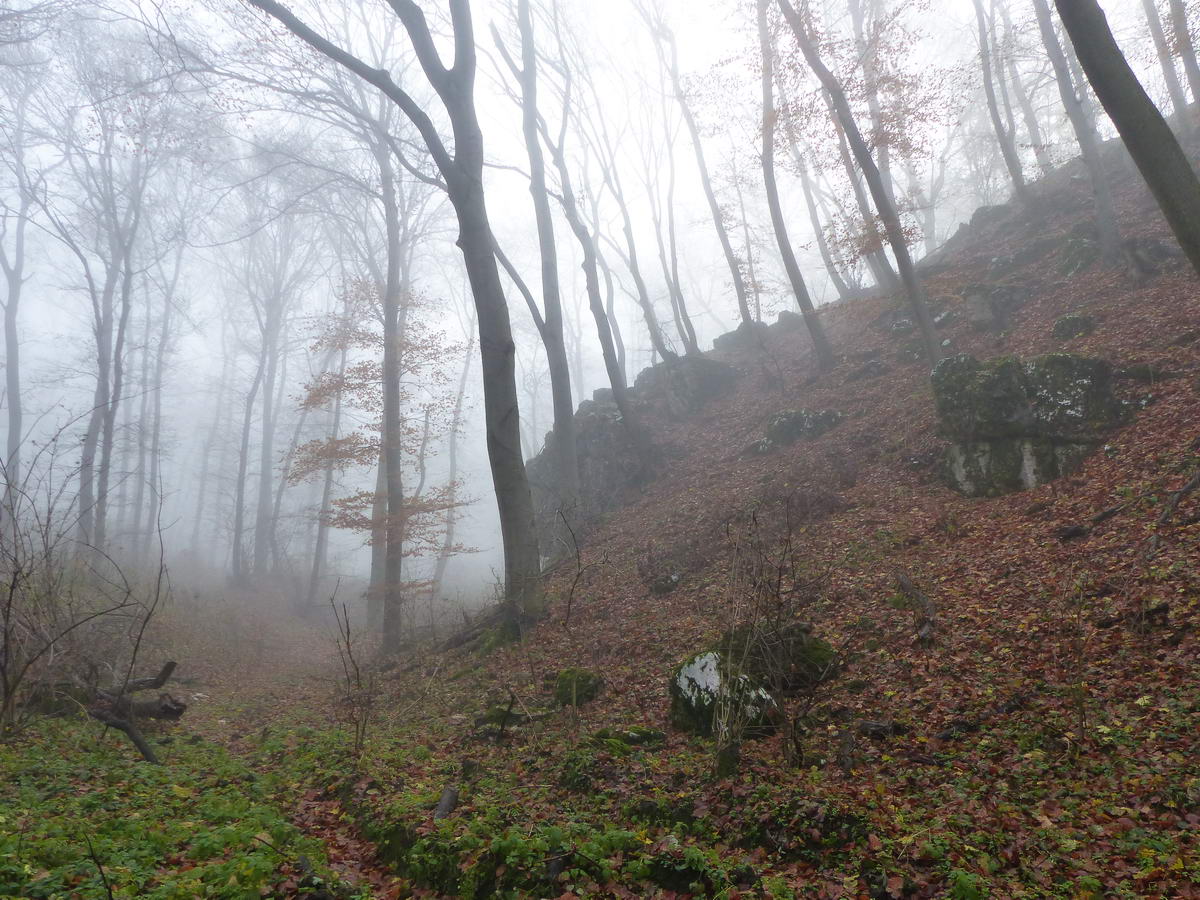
1036 802
203 824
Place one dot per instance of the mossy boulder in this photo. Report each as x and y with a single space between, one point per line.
981 400
575 687
1016 425
706 688
1073 326
1072 396
793 425
788 658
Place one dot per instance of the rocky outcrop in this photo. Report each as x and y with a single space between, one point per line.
683 386
1014 425
609 467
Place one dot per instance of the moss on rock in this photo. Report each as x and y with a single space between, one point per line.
575 687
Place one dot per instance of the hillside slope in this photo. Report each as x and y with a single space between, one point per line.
1044 743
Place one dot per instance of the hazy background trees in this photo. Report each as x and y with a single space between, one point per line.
298 288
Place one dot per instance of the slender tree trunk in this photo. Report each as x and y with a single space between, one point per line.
14 278
160 365
1184 45
751 276
714 207
1008 150
862 153
131 519
881 268
238 564
263 524
379 505
1145 132
816 332
393 425
443 558
1029 116
321 547
1085 134
551 325
612 349
880 139
814 216
110 412
1174 88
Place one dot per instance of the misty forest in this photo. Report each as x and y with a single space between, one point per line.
641 448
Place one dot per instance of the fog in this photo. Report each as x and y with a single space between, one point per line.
206 220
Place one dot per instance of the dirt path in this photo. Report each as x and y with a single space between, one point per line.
243 680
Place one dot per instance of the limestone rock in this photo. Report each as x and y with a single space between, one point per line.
706 684
1016 425
686 384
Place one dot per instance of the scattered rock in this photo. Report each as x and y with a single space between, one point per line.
707 682
792 425
575 687
990 307
1073 326
871 369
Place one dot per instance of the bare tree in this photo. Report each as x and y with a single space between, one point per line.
816 332
1145 132
862 154
1004 137
1085 135
461 171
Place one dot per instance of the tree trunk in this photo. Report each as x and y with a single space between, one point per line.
714 208
1146 134
264 526
881 268
1174 88
816 332
443 558
1184 45
14 276
1085 134
238 564
320 550
1008 150
886 209
551 326
391 595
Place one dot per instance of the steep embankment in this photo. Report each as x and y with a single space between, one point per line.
1044 743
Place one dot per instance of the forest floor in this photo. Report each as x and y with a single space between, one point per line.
1046 744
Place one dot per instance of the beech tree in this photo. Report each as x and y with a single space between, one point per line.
884 203
461 169
1142 127
548 319
816 332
